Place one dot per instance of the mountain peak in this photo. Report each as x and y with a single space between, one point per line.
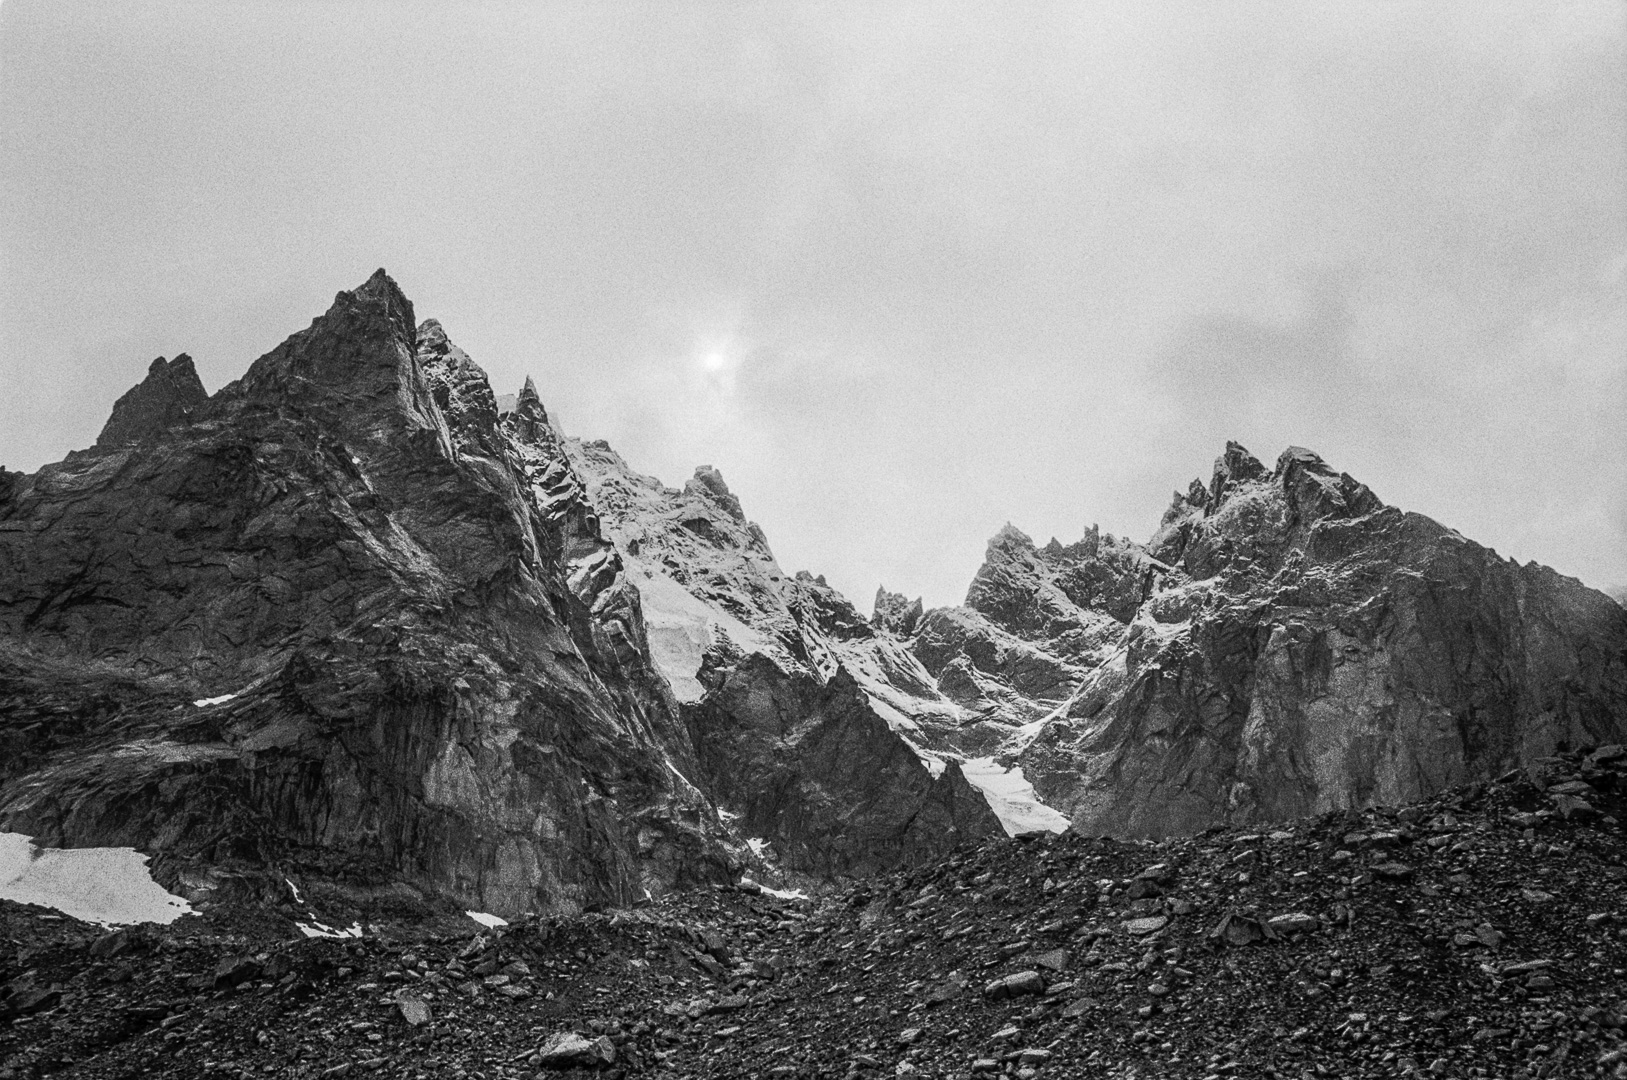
377 298
432 335
360 349
708 483
381 285
170 393
528 417
1316 490
1009 537
1235 466
896 613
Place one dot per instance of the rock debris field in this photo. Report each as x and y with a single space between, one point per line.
1480 934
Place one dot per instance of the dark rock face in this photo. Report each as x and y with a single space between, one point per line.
820 776
415 673
1303 647
1035 623
895 613
1057 590
169 394
786 689
359 616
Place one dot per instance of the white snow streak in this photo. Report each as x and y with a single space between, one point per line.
785 894
681 628
1011 797
488 921
317 929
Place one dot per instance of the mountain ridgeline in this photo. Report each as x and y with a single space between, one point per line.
355 617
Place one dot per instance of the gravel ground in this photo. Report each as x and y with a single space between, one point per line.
1483 933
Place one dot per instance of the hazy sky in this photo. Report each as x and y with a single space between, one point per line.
903 272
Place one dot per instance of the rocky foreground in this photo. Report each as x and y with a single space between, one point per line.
1482 933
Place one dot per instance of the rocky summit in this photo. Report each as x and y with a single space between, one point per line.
356 645
1283 645
339 617
352 617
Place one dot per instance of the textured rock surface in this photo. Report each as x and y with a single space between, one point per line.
337 617
169 394
896 613
1285 644
358 615
1298 953
785 687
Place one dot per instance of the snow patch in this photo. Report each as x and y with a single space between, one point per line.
757 845
896 720
682 779
204 702
681 627
785 894
933 764
488 921
317 929
1011 797
107 885
298 899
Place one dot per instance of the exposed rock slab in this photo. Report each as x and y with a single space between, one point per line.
338 616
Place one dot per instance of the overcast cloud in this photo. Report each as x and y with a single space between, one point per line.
902 272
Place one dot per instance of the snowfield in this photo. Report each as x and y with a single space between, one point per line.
1011 797
110 886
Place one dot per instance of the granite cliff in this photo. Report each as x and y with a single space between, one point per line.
1285 644
348 619
332 619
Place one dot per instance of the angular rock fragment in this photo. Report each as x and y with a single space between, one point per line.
571 1050
953 986
1570 806
1053 959
1293 923
413 1009
1236 928
1018 985
1149 925
235 970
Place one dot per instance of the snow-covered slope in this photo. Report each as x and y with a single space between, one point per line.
711 587
1282 645
819 731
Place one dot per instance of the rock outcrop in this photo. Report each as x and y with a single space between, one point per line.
359 616
1286 644
339 617
169 394
788 691
896 613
